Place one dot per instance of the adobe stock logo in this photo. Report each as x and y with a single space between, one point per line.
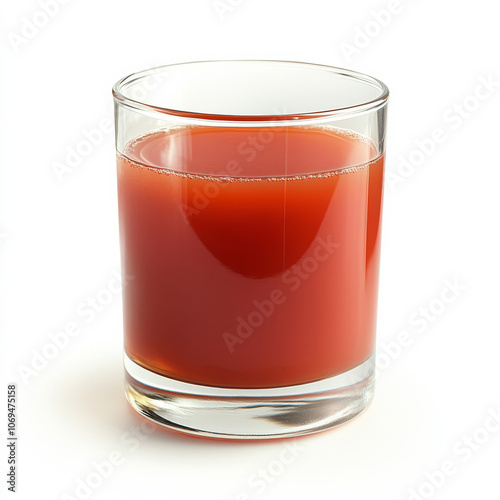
85 313
371 29
31 27
292 280
462 450
452 119
101 471
418 323
267 476
89 140
247 150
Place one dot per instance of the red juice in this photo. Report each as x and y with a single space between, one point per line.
254 253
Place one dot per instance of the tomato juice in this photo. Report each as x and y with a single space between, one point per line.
254 253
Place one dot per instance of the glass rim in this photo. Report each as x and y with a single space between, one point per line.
362 107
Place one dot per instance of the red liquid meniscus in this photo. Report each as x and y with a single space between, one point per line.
254 253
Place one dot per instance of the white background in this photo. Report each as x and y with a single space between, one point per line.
59 246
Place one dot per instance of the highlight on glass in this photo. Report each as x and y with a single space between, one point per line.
250 198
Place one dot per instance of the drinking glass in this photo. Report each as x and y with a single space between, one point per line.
250 200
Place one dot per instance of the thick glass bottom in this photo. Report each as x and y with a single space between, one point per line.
250 413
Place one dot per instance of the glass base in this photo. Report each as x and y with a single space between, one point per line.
250 413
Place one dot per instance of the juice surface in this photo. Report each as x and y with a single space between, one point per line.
254 253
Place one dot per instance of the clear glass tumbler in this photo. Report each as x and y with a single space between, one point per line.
250 200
